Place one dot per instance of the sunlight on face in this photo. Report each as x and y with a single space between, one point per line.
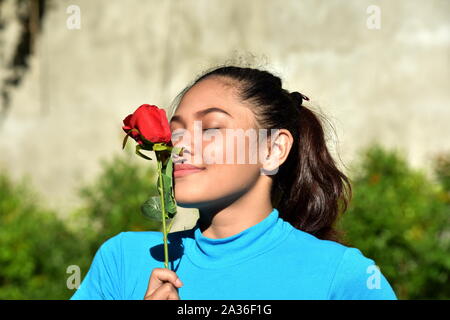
216 105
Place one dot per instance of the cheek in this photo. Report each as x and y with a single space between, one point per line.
230 151
220 179
216 182
228 178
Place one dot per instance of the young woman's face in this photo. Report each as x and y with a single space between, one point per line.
221 180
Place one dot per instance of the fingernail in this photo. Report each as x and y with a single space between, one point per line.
178 282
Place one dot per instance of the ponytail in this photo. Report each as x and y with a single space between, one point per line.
311 192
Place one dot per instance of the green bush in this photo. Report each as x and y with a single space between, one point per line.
442 171
36 247
400 218
112 203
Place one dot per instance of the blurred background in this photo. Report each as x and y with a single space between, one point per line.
71 71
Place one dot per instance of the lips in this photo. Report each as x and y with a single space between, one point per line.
181 170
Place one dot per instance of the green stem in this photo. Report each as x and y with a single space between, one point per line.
163 211
170 225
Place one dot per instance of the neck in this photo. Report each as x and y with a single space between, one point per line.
237 213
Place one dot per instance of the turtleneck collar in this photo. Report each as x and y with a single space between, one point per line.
211 253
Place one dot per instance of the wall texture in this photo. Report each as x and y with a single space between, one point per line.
388 84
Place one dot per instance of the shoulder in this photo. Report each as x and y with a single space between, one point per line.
127 237
327 249
136 237
316 258
352 274
314 247
138 241
359 277
125 241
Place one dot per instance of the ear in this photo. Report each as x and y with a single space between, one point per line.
279 145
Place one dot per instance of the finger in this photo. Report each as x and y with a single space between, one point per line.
165 292
161 275
161 293
173 293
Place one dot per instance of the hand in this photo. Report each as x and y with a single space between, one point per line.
163 285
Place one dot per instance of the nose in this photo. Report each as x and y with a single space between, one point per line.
185 139
177 157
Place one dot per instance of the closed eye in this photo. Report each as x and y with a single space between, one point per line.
211 129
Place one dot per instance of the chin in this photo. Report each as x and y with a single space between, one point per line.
187 198
194 197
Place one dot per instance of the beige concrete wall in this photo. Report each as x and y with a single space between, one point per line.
388 84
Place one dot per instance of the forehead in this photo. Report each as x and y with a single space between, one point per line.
213 92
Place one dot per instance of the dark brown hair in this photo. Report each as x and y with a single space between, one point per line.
308 190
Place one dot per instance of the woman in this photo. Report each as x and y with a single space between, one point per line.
266 227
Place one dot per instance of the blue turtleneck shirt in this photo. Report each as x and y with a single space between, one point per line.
270 260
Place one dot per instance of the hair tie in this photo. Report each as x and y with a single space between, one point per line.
299 97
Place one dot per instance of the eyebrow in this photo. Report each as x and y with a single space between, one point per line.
202 113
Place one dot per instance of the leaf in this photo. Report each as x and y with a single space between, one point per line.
169 197
124 141
169 202
168 169
151 209
126 137
169 174
139 147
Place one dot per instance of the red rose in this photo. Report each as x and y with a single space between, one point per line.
151 122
